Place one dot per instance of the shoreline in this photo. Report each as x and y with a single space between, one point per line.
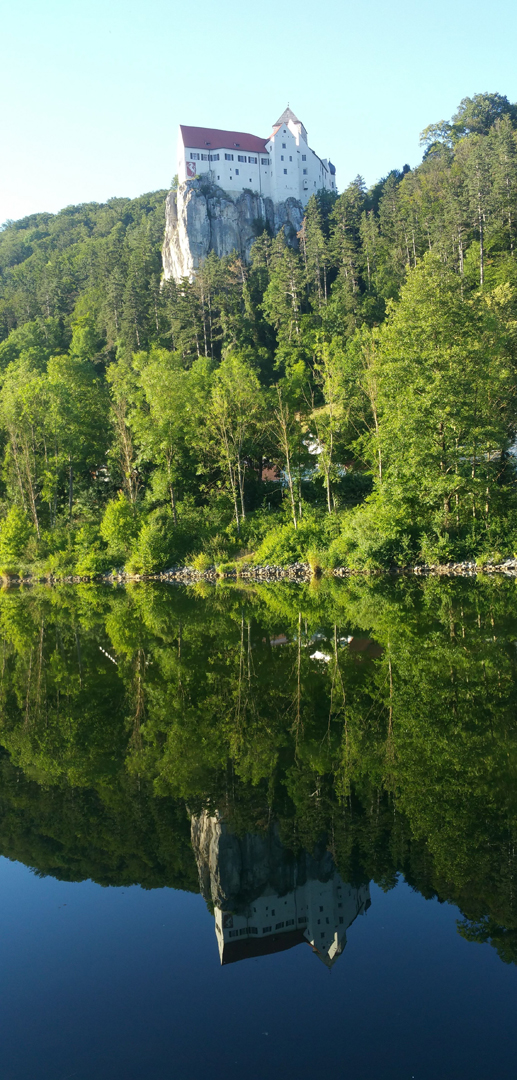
297 572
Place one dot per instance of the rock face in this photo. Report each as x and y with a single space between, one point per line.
233 871
200 217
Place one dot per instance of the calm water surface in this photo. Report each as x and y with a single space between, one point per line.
267 832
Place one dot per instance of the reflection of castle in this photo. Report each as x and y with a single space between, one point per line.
267 900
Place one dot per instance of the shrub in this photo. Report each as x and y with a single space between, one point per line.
202 562
374 535
316 561
91 556
119 527
284 544
154 548
15 532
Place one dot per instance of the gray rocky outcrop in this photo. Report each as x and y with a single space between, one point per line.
200 217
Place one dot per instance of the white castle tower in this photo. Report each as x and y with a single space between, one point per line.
280 167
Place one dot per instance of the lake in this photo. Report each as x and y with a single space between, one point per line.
261 831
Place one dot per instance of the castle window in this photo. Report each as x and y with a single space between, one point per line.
341 918
273 912
305 172
214 157
266 929
236 172
264 161
304 157
321 909
205 157
284 144
302 919
281 157
243 931
279 926
234 933
290 158
253 930
241 157
228 157
323 935
236 144
194 157
252 160
289 922
285 172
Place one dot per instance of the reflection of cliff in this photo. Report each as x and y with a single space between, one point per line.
267 899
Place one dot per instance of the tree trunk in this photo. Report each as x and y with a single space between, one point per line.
241 470
283 438
173 505
70 486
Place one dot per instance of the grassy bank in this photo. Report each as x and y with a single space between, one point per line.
138 541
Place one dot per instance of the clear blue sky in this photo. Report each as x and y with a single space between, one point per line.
92 92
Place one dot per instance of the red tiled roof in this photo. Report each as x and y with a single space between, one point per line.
199 138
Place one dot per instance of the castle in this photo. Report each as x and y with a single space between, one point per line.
279 168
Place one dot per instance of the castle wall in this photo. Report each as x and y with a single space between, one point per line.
282 167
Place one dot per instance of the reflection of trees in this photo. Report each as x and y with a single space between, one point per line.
397 748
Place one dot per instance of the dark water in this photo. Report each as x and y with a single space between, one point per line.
265 832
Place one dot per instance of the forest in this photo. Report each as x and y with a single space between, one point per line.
348 399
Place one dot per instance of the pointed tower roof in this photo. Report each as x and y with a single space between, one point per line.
286 116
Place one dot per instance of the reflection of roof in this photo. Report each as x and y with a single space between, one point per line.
217 138
246 948
366 645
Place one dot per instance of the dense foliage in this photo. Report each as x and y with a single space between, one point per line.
349 396
376 717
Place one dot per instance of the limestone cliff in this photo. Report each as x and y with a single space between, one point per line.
200 217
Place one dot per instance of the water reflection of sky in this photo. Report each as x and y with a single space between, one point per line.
126 984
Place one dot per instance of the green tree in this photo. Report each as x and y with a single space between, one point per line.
236 413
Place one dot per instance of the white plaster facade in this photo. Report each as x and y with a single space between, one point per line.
280 167
320 911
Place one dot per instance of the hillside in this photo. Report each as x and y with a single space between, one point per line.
374 368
